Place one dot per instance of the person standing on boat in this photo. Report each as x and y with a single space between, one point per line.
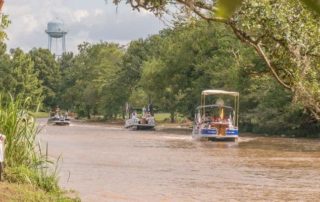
144 110
134 114
220 103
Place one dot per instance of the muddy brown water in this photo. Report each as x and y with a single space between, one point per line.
109 163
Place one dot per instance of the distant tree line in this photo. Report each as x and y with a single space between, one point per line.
285 35
277 76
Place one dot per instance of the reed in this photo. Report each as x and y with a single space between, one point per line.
24 160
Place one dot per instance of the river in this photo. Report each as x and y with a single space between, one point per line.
109 163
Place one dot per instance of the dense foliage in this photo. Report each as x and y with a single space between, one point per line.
18 75
48 72
275 29
276 69
91 82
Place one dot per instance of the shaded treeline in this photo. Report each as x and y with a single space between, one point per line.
170 69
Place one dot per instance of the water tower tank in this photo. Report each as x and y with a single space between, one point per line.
56 29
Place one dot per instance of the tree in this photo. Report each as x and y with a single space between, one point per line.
276 30
109 79
223 8
4 23
92 80
22 79
289 52
4 67
68 79
133 58
49 73
188 60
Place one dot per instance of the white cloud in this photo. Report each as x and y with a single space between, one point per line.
30 22
85 20
79 15
98 12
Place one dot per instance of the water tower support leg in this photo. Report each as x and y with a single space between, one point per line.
49 42
63 44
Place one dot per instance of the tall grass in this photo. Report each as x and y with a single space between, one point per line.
25 162
20 130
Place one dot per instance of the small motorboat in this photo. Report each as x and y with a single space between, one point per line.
58 119
139 118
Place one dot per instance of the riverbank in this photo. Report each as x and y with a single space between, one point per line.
27 192
28 174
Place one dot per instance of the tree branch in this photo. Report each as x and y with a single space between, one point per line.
265 58
256 45
193 8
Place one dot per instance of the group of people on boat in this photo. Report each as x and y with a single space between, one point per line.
145 116
140 118
216 117
57 114
217 120
146 111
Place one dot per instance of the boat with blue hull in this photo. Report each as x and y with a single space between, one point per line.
218 120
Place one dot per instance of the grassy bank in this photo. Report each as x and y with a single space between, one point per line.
27 192
165 118
40 114
28 171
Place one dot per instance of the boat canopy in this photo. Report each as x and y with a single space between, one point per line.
219 92
213 106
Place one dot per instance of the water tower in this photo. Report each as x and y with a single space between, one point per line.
55 30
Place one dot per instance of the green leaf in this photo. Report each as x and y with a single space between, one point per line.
313 4
227 7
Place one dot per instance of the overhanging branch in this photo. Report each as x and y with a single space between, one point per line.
256 45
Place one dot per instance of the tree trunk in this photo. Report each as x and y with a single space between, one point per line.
172 117
88 112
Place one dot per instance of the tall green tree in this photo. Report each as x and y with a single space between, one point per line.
4 67
23 80
192 58
188 60
135 55
132 67
49 74
68 79
93 80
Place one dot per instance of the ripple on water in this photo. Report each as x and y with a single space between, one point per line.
109 163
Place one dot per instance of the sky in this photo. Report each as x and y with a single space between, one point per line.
85 20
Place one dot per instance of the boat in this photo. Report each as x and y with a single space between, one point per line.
59 119
218 120
139 118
